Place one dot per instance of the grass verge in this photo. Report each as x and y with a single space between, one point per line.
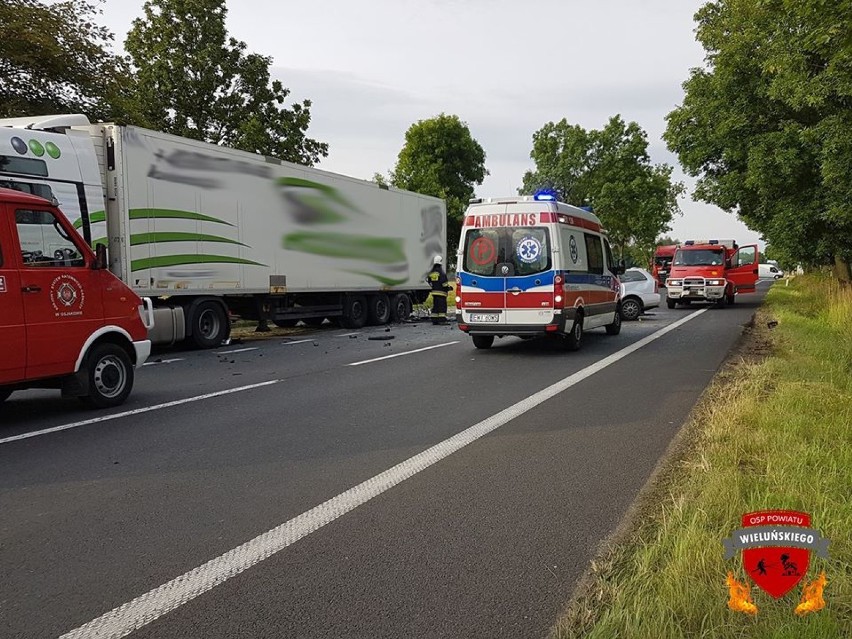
773 431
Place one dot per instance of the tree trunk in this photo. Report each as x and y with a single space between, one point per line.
842 271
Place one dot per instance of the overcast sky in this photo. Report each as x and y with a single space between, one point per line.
505 67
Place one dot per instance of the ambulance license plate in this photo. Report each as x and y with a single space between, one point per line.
485 317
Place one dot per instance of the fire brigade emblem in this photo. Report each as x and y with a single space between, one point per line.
67 296
776 549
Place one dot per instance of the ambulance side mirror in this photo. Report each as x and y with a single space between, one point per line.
100 257
620 268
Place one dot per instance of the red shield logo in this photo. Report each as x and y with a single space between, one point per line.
776 569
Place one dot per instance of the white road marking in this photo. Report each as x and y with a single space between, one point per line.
299 341
419 350
163 361
135 411
347 334
152 605
239 350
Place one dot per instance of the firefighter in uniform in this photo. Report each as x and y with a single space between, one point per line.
437 279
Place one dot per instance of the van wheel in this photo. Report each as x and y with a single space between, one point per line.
574 339
378 310
400 307
483 341
210 325
4 394
110 375
615 327
354 312
670 302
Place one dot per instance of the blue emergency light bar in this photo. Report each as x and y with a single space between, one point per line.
545 195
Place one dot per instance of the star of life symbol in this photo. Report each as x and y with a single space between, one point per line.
529 249
66 294
572 249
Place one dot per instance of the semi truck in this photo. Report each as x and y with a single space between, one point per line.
65 321
711 271
211 234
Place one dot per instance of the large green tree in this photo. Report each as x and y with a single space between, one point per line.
766 124
610 170
195 81
57 59
441 158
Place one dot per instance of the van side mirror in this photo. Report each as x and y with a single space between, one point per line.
620 268
100 257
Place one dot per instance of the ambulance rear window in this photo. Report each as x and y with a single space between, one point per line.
526 250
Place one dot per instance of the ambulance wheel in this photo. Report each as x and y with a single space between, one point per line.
110 375
210 325
400 307
615 327
4 394
670 302
354 312
378 309
483 341
631 309
574 339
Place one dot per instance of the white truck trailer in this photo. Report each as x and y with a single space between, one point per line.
210 233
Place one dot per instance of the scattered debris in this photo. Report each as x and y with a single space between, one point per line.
772 323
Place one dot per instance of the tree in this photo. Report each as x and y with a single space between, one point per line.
441 158
56 59
766 125
608 169
195 81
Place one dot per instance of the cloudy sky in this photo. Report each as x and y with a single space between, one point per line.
505 67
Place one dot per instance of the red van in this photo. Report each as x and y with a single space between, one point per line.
65 321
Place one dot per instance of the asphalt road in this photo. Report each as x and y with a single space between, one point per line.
443 492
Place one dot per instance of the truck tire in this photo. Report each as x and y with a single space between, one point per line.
730 299
378 309
615 327
109 372
400 307
209 324
574 339
670 302
354 312
4 394
631 309
483 341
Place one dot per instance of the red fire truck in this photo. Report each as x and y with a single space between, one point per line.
662 262
711 270
65 321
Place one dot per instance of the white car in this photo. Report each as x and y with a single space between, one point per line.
639 292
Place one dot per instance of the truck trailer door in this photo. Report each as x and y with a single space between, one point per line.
62 298
744 271
13 332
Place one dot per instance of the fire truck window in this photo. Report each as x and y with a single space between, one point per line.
745 256
594 251
44 242
42 190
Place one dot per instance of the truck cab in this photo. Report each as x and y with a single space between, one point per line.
65 321
712 271
663 256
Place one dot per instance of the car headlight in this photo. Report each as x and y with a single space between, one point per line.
673 282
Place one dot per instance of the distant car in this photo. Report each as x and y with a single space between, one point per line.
639 292
769 272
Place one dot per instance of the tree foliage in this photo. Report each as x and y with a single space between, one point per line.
608 169
56 59
766 125
441 158
195 81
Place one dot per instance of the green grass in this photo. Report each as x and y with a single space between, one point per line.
773 432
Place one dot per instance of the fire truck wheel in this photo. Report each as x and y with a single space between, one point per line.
615 327
354 312
670 302
483 341
730 298
574 339
4 394
110 375
210 325
378 309
400 307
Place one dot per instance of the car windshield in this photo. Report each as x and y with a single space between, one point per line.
523 250
699 257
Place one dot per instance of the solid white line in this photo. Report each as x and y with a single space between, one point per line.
347 334
299 341
239 350
146 608
163 361
419 350
135 411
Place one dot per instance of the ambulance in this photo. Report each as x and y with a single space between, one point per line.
532 266
66 322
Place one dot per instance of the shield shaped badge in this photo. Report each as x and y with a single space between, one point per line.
776 569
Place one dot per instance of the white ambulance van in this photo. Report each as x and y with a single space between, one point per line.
531 266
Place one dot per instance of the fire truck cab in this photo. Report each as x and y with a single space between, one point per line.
711 270
65 321
531 266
